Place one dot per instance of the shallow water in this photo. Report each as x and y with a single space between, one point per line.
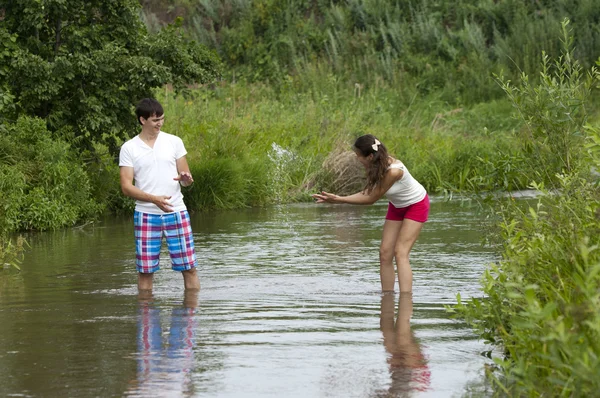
289 306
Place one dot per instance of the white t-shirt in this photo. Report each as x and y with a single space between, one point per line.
154 169
406 191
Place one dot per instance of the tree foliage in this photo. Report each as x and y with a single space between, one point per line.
82 65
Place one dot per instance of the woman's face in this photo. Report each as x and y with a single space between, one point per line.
364 160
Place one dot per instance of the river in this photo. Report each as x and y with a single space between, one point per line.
290 306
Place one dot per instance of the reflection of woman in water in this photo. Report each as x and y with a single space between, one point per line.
165 369
407 364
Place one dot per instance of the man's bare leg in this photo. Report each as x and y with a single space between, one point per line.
145 296
190 298
145 282
191 280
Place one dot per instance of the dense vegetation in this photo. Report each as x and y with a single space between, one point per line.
446 48
70 74
80 65
541 300
474 96
417 75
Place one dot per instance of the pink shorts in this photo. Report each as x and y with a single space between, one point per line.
417 211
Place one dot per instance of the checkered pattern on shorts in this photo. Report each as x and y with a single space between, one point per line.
149 231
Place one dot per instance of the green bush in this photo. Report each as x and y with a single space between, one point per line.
555 111
103 169
82 66
45 182
541 300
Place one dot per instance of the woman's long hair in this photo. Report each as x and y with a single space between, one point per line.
367 145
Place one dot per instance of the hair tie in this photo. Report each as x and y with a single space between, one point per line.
375 146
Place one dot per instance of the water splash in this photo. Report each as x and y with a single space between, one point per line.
280 173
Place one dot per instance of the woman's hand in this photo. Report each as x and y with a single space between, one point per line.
325 197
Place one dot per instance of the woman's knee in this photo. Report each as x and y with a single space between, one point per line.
401 253
386 255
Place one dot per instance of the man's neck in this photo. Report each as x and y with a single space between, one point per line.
148 135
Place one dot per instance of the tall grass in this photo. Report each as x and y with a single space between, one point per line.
267 144
452 48
11 251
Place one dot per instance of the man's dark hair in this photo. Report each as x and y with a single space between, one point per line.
148 107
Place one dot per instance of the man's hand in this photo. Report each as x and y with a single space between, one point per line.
184 178
163 203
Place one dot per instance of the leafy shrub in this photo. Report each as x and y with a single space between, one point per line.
46 184
555 111
541 300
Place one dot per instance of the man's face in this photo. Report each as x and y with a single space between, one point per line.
153 123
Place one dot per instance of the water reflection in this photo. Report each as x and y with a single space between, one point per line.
165 370
407 365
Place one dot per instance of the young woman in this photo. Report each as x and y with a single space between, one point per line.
408 208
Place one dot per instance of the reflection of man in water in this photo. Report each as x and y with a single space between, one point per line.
408 366
165 370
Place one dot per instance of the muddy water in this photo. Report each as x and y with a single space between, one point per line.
289 307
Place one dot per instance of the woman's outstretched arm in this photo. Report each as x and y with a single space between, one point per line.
363 198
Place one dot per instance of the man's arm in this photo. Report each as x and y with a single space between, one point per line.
183 170
126 174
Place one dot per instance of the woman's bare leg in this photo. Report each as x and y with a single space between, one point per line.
406 238
391 230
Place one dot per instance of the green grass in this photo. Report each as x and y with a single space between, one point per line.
230 131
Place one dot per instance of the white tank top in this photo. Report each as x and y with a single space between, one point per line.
406 191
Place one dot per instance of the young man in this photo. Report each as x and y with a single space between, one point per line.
156 161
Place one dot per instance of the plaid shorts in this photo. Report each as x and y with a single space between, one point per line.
149 230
